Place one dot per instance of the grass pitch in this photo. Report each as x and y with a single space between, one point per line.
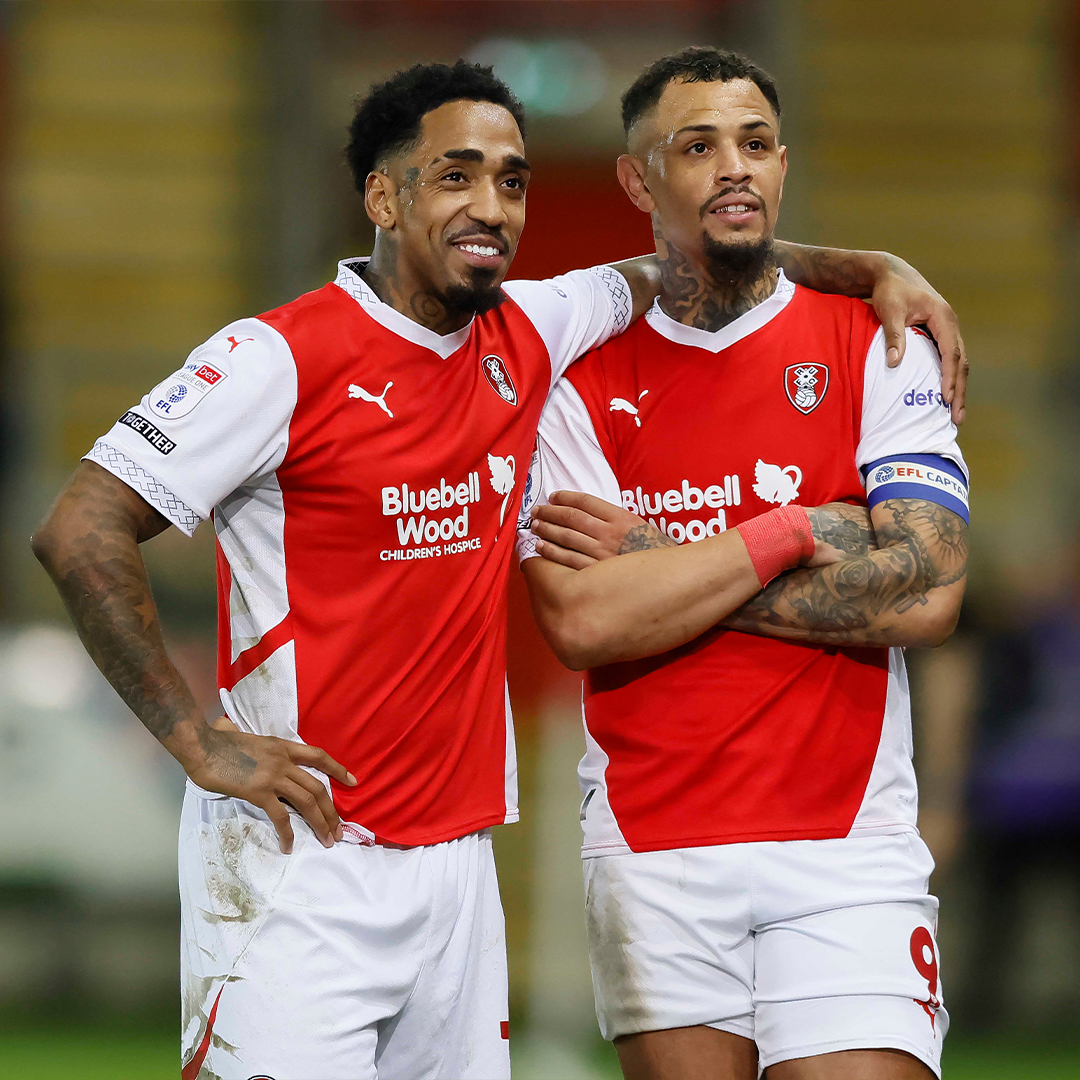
88 1054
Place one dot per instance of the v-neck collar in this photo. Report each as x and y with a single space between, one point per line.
349 280
726 336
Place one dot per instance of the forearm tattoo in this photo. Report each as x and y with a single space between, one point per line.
844 527
828 270
922 547
644 537
102 579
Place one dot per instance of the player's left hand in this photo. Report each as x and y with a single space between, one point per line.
577 530
902 297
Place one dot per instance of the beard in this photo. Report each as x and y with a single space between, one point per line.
737 266
482 294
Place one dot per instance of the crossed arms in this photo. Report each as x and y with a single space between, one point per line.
891 576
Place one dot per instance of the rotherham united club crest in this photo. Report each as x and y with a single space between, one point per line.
499 378
805 385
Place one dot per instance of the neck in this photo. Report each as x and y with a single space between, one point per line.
705 297
397 288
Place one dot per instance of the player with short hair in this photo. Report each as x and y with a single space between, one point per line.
757 892
362 453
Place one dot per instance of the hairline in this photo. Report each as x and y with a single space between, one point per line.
646 113
383 158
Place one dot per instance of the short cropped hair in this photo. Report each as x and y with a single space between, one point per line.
695 64
389 118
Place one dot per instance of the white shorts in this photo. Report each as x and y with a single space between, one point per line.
807 947
344 964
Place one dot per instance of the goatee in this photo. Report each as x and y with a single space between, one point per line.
481 295
738 266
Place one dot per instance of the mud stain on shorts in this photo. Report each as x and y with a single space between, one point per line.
617 981
231 850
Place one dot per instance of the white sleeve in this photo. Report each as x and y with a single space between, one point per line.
567 458
219 422
908 443
575 312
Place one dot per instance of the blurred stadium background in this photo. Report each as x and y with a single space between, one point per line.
170 165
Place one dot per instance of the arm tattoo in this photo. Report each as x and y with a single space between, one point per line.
859 600
828 270
644 537
844 527
100 574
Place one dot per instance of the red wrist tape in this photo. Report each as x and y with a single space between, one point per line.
777 541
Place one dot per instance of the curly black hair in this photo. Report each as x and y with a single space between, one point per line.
695 64
389 118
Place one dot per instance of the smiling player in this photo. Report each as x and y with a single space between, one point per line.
362 452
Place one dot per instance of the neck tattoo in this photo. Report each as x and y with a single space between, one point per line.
708 298
383 275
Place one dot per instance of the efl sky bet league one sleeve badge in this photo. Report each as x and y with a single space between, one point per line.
805 385
184 389
532 489
498 377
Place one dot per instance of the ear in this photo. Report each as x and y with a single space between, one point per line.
380 200
631 173
783 170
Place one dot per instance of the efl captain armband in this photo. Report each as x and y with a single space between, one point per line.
918 476
777 541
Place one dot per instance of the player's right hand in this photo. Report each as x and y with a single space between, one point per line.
266 772
840 531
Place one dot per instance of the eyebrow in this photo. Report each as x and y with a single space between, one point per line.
514 161
751 125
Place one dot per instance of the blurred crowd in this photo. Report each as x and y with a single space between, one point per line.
169 166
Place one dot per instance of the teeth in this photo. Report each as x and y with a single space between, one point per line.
736 208
476 249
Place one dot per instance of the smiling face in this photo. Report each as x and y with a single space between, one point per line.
454 203
707 163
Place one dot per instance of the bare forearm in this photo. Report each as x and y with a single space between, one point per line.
906 593
641 604
853 604
90 549
111 605
833 270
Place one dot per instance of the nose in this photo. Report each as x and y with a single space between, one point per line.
732 167
486 206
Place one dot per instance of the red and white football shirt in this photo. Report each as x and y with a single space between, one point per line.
735 737
364 476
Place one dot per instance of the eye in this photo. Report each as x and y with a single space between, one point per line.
516 183
755 144
698 148
455 176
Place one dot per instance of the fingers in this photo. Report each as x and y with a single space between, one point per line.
570 538
279 818
563 556
893 323
959 401
307 795
590 504
954 362
570 517
303 754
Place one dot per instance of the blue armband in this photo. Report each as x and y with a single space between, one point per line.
917 476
